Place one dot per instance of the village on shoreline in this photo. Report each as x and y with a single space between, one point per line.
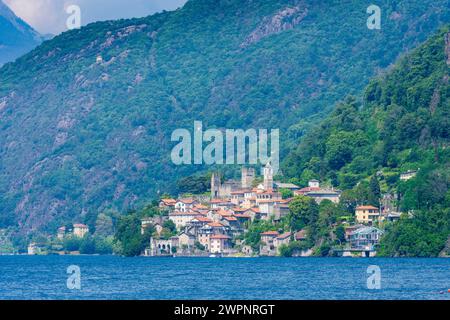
217 225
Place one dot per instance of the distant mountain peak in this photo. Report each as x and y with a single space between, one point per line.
16 36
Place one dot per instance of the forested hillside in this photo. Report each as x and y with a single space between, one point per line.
402 124
86 118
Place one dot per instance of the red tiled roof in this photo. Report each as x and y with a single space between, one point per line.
187 201
203 219
284 235
224 213
215 225
300 235
200 206
80 225
231 218
169 201
366 208
307 189
219 236
270 233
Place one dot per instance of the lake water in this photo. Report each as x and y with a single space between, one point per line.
111 277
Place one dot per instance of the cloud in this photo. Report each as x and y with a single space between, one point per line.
49 16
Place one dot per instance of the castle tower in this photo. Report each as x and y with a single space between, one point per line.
268 177
215 185
247 177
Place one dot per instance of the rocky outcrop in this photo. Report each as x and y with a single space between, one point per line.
284 19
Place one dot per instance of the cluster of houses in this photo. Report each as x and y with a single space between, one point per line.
78 230
212 225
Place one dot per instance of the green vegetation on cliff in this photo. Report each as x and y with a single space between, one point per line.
402 124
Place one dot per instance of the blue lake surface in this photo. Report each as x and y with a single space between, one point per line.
112 277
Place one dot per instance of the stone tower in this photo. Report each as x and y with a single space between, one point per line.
247 177
215 185
268 177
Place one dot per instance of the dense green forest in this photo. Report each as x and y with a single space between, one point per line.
402 123
86 118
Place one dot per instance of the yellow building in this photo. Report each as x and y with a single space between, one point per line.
367 214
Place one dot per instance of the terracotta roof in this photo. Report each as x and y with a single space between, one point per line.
239 209
300 235
219 236
169 201
203 219
366 208
270 233
224 213
80 225
187 201
215 225
284 235
231 218
307 189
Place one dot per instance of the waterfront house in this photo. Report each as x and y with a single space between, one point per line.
33 249
160 247
281 239
365 238
186 240
267 247
80 230
350 229
367 214
219 243
61 233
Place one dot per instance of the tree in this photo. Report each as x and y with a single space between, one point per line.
286 193
374 192
303 211
129 234
87 245
103 225
72 243
170 225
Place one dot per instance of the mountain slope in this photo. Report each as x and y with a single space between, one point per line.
86 118
16 36
403 124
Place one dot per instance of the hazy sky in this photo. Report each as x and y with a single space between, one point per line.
49 16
